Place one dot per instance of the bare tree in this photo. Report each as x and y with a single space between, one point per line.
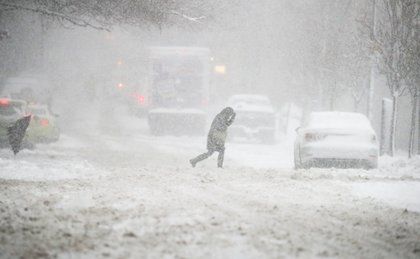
413 83
355 69
418 125
103 14
322 60
332 52
414 90
392 42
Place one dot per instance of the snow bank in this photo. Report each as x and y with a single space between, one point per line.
338 120
400 165
405 195
52 162
390 169
47 169
400 187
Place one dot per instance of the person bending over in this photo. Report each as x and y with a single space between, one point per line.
217 136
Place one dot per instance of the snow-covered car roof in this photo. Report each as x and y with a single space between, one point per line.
338 120
251 102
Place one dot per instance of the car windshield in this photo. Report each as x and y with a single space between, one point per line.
38 111
338 120
178 81
9 110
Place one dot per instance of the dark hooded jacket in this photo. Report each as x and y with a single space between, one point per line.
218 130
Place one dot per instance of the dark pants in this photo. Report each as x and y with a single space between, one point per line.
208 154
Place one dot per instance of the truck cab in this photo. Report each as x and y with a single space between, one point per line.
179 90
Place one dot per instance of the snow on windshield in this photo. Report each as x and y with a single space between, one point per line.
338 120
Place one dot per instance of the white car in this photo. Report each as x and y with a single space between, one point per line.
255 118
339 139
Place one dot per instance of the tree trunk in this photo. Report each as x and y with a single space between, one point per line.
384 121
393 124
371 92
332 98
372 69
356 105
418 122
412 126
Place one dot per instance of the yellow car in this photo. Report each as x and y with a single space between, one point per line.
43 126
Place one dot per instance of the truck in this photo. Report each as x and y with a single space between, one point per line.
178 93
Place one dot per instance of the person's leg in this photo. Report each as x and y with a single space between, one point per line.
221 157
201 157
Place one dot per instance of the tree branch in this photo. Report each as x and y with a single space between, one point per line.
189 18
61 16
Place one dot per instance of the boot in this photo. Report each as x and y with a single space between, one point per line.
193 162
201 157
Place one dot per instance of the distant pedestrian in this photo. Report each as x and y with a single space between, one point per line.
217 136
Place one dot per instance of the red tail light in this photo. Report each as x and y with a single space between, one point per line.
4 102
141 99
44 122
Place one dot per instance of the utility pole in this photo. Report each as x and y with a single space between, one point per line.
372 68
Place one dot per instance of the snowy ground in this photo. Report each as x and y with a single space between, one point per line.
126 194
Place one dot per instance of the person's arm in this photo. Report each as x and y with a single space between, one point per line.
231 119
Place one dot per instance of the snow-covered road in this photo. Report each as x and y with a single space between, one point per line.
129 194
